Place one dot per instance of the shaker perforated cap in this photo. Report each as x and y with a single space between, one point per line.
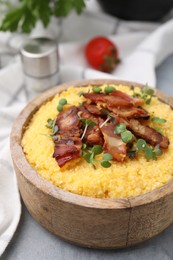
40 57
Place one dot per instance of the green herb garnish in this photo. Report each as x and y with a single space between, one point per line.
107 157
146 93
109 89
157 150
54 137
96 89
148 100
105 160
61 103
51 124
59 108
126 135
80 93
150 153
120 128
86 122
159 130
89 153
110 117
97 149
55 129
158 120
106 164
141 144
106 112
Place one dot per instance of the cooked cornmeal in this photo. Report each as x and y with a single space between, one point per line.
122 180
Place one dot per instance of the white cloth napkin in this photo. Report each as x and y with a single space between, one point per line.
142 47
10 207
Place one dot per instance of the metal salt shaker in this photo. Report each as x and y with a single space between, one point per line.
40 60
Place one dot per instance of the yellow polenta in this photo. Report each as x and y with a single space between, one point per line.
121 180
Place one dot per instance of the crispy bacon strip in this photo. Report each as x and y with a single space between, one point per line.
132 112
68 120
113 143
92 108
69 146
115 99
112 100
93 135
67 149
148 133
134 101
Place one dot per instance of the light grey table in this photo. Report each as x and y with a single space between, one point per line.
33 242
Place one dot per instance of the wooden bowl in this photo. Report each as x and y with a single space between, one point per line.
89 222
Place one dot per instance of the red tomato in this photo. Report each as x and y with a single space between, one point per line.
102 54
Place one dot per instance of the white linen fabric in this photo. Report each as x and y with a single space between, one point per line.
142 46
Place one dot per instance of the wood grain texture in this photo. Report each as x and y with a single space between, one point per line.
90 222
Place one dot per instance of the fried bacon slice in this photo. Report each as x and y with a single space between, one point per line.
113 143
68 120
93 135
69 144
148 133
134 101
92 108
115 99
67 149
130 112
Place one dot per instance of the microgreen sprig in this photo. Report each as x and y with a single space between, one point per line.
86 122
157 150
150 153
106 112
89 154
104 123
120 128
158 120
80 93
126 135
159 130
110 116
96 89
141 144
61 103
106 160
146 93
51 124
54 137
109 89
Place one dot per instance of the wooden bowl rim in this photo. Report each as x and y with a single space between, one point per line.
45 186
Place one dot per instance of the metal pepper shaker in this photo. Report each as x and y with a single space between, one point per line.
40 60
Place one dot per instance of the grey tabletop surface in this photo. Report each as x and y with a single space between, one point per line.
32 242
